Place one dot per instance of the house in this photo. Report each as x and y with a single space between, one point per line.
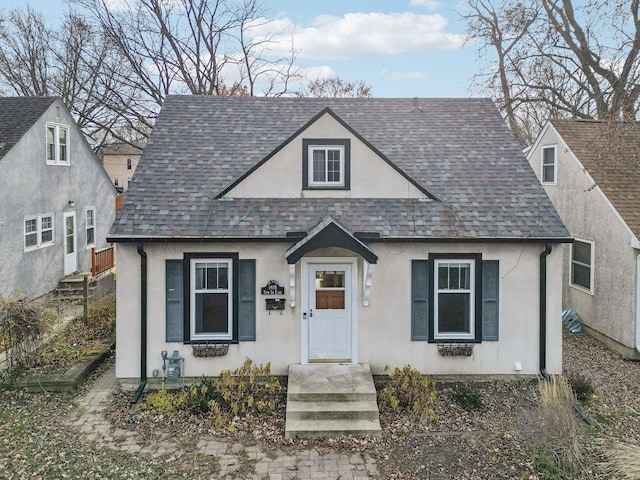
590 172
306 230
56 202
120 161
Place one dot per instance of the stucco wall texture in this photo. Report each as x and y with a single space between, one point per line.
31 187
383 327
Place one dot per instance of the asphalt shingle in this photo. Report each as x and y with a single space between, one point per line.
17 115
459 150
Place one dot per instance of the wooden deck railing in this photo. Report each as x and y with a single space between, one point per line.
101 260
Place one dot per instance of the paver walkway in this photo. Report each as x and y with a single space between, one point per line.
93 424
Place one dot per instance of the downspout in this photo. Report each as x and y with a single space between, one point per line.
143 322
638 303
543 310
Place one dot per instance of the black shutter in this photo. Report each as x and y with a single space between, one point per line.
490 295
174 285
247 300
419 300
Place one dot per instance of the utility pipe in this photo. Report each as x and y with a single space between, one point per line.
638 303
143 322
543 310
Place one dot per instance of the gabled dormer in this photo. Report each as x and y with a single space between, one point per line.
326 158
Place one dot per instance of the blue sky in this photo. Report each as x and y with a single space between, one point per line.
402 48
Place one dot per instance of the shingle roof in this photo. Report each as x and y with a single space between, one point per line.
610 151
122 149
17 116
457 149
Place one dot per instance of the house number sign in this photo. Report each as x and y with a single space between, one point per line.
272 288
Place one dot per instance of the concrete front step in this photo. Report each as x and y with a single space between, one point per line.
332 428
362 410
325 400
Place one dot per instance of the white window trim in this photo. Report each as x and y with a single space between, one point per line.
86 220
56 139
325 148
192 294
39 230
472 301
590 291
555 164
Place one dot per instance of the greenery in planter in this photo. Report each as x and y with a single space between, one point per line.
408 391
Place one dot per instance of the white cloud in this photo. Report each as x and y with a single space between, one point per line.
430 4
404 75
358 35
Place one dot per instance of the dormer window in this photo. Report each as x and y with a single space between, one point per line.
326 164
57 144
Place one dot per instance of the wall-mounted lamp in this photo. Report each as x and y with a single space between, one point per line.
72 204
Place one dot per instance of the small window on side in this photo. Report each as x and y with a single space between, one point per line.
582 253
549 165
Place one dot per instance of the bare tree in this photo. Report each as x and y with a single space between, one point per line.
335 87
72 61
548 58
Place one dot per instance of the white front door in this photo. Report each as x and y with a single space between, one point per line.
329 311
70 243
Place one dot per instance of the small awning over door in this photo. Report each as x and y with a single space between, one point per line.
329 233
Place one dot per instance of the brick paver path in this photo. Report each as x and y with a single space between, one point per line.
232 457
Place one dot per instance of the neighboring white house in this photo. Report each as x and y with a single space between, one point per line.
301 230
56 201
120 161
591 172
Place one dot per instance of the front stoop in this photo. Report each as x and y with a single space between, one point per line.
331 400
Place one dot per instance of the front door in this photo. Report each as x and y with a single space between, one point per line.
70 243
330 316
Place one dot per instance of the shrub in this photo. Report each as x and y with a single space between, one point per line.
581 386
22 323
560 433
198 398
468 398
248 388
409 391
162 402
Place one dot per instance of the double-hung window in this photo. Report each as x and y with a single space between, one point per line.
91 226
57 144
454 299
211 299
326 164
582 265
549 164
38 231
128 164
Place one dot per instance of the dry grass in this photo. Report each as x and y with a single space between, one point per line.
623 461
561 430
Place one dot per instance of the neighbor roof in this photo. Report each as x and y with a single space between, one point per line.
122 148
610 151
17 116
458 150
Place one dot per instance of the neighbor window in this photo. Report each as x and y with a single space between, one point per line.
91 227
211 299
128 164
326 164
57 145
582 264
116 182
38 231
454 298
549 164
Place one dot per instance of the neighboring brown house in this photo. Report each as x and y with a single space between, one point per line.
591 172
120 161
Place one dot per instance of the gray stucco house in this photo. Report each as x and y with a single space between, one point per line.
306 230
591 172
56 201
